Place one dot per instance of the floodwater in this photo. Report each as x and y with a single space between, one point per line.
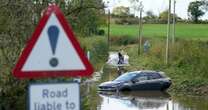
147 100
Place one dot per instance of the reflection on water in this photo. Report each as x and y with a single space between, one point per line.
149 101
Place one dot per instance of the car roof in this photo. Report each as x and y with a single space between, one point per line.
144 71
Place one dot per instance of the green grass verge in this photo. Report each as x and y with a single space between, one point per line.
187 31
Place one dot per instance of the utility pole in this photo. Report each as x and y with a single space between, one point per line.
168 34
174 22
108 29
108 8
140 29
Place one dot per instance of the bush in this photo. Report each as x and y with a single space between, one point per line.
123 40
101 32
127 21
100 51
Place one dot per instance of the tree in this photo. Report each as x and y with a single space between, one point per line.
136 5
195 10
121 11
150 13
88 17
205 6
17 23
163 17
150 17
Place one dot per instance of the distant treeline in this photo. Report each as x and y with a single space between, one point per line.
128 20
195 10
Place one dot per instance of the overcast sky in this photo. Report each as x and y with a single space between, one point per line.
157 6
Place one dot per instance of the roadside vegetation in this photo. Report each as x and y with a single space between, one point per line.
187 64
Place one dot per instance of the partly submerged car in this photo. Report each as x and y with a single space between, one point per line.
138 80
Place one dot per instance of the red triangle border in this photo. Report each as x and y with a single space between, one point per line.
46 74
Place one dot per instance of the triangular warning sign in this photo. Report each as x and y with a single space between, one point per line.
53 50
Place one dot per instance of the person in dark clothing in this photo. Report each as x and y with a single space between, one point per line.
120 58
120 61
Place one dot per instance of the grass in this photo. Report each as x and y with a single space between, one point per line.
187 31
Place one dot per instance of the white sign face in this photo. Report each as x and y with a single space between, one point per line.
53 50
57 96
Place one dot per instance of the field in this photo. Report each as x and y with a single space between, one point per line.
187 31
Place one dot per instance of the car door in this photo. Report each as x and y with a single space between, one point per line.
140 82
154 81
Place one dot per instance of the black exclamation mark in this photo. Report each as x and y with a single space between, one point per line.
53 33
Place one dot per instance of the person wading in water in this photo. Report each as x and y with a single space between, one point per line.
120 62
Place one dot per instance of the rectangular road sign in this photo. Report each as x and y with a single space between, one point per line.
54 96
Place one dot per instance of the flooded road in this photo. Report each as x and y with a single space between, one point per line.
150 101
